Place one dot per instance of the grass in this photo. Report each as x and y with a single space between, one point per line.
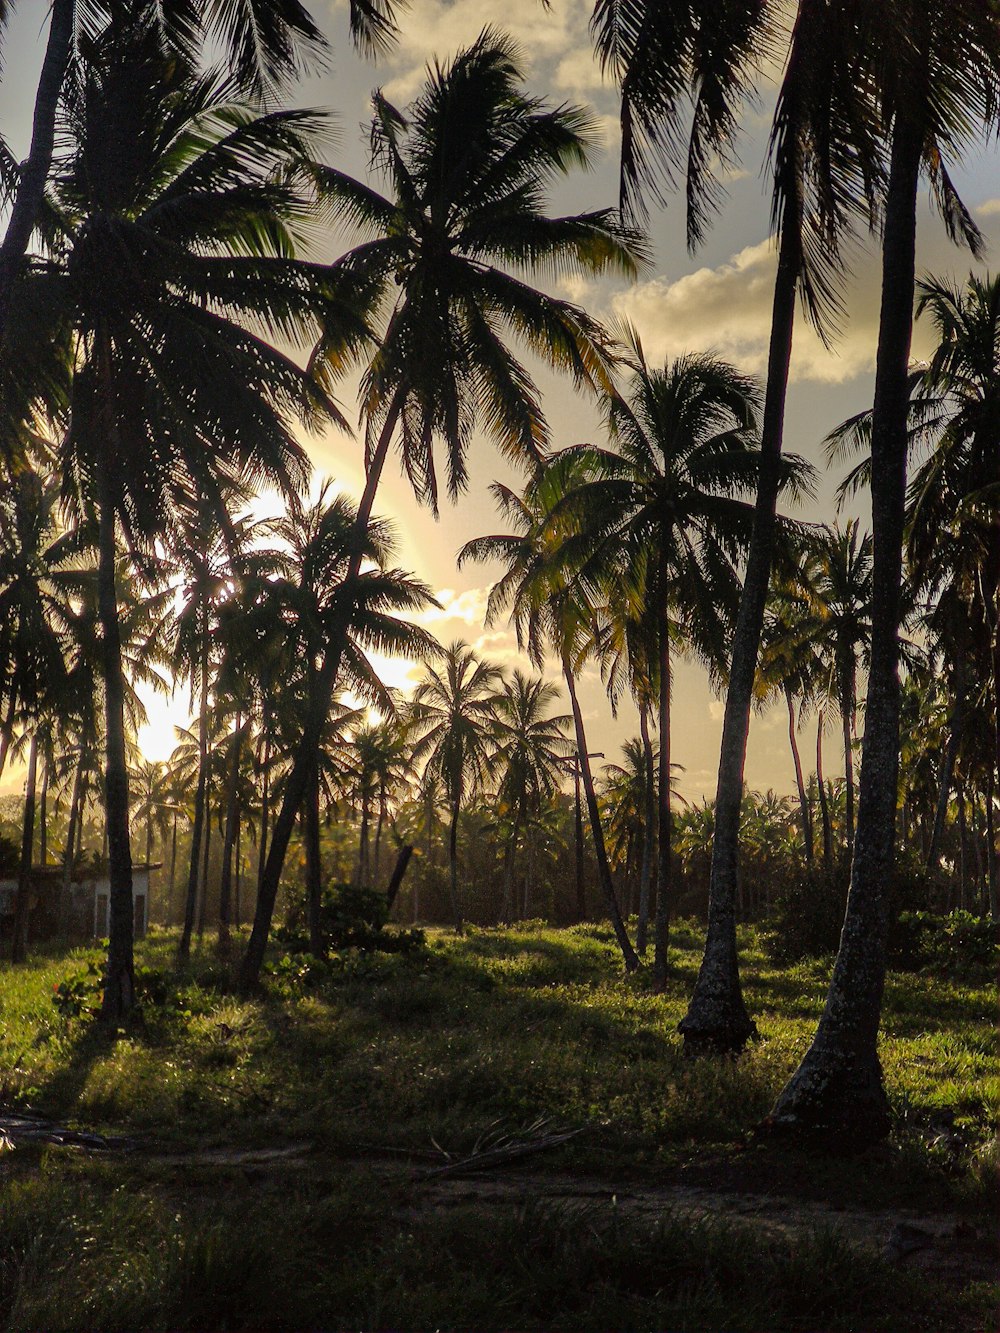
441 1047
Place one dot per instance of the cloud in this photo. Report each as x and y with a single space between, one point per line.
727 309
990 208
468 606
716 710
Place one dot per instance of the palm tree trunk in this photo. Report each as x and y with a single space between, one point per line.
173 864
947 772
206 865
7 729
824 804
232 823
19 944
35 169
361 875
648 835
43 817
991 847
837 1091
308 745
664 877
456 910
238 882
508 870
629 955
119 980
265 805
200 801
847 707
314 867
807 831
67 878
717 1017
379 823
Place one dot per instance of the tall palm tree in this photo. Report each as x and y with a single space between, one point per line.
452 715
447 255
530 753
309 599
938 69
663 520
547 613
824 170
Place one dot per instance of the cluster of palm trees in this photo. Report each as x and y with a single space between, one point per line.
167 333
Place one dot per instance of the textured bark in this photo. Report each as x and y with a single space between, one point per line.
43 818
648 837
232 824
67 877
396 878
314 866
35 168
581 893
847 711
119 979
19 943
629 955
206 863
947 772
309 742
807 831
717 1017
265 806
200 801
508 870
664 878
456 907
837 1092
824 804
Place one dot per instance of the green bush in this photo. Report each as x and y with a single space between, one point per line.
351 917
958 944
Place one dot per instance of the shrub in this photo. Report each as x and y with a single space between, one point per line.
958 944
351 917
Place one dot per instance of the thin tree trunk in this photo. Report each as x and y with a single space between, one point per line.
200 802
991 848
308 745
7 730
581 890
456 910
837 1091
508 872
824 804
232 823
396 879
206 866
629 955
119 980
43 817
265 808
173 865
717 1017
664 877
963 851
361 875
807 831
19 944
67 879
947 772
35 168
378 833
847 709
237 912
648 835
314 866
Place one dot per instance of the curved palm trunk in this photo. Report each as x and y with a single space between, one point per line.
232 824
456 910
629 955
648 836
326 679
314 866
119 980
807 831
717 1017
837 1090
173 864
35 169
664 877
847 709
19 943
824 804
198 829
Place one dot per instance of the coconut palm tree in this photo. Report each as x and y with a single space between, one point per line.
452 715
308 598
175 396
938 68
447 255
547 613
529 758
662 520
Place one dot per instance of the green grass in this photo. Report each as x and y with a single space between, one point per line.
394 1051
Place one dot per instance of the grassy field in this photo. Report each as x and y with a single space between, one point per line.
380 1062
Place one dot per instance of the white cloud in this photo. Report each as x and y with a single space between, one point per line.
990 208
716 710
468 606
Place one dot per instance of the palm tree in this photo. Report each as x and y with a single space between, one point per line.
174 398
939 74
529 757
662 521
309 598
824 168
445 257
452 715
545 611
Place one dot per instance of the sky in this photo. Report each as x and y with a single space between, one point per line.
716 300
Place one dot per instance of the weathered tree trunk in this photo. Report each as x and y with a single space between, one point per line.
19 943
807 830
717 1017
398 871
379 823
35 168
238 880
456 908
362 876
67 877
824 804
232 824
947 772
629 955
648 834
314 866
508 870
43 817
119 980
581 890
265 806
200 803
308 745
837 1092
847 710
664 877
206 866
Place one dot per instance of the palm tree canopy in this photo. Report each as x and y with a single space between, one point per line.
453 715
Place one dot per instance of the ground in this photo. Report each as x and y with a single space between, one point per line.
498 1131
